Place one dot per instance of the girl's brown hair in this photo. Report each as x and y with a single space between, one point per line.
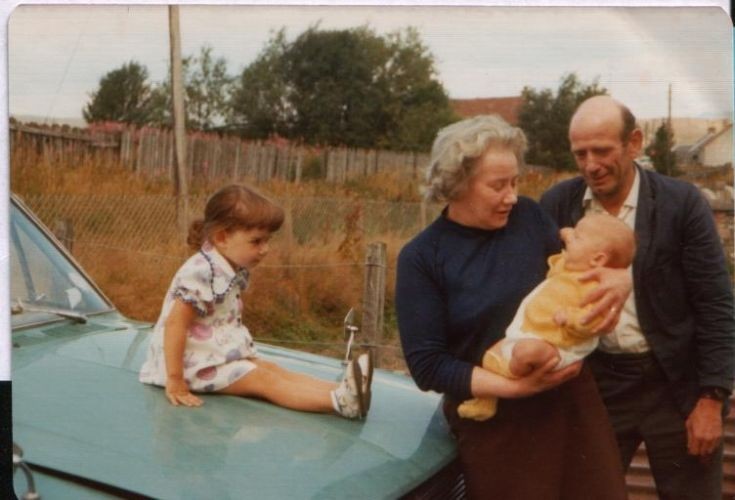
235 207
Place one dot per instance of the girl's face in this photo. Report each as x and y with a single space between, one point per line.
243 247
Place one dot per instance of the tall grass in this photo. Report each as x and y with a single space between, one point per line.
299 294
33 173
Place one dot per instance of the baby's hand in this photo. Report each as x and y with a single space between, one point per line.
560 317
178 393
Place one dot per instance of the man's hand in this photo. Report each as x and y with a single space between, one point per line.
178 393
608 297
704 427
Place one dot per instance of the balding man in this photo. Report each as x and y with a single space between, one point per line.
666 370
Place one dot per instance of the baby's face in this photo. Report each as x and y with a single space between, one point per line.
581 242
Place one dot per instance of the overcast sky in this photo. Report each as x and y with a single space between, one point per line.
57 54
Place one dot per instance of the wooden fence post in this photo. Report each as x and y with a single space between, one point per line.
299 165
327 166
287 231
64 232
374 297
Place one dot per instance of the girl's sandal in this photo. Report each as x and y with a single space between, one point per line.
366 362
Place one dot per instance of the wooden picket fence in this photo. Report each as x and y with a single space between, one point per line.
150 152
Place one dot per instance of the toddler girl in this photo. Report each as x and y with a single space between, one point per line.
199 343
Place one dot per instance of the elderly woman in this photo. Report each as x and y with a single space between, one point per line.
459 284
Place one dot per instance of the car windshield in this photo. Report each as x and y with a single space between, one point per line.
44 284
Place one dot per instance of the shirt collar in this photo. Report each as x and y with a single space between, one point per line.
221 264
632 199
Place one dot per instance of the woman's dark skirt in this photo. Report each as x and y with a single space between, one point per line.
555 445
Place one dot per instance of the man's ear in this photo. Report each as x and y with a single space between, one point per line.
635 142
599 259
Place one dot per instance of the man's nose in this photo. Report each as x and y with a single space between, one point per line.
591 164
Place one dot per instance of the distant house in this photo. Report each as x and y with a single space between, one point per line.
506 107
686 130
713 149
683 154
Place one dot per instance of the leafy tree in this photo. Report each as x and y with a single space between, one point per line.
207 90
336 89
347 87
259 103
663 158
206 93
417 105
544 117
124 95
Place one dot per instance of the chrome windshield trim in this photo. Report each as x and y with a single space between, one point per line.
20 204
55 319
20 308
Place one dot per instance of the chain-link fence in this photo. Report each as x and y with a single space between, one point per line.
298 297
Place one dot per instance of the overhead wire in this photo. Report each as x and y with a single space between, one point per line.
66 67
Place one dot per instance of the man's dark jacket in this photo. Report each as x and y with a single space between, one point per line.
683 293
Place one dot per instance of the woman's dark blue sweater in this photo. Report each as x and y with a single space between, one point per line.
458 288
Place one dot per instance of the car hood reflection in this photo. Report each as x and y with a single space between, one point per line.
78 406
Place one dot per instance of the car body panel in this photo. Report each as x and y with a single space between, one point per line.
79 408
56 488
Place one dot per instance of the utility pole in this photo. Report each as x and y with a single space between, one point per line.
670 159
181 190
668 121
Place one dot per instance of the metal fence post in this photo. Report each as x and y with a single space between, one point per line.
374 297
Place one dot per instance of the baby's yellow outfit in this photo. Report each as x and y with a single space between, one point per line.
561 290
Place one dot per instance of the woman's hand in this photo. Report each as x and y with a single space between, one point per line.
177 392
609 296
543 378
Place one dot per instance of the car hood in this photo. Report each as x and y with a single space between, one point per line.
78 408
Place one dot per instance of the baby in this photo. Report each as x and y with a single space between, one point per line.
548 323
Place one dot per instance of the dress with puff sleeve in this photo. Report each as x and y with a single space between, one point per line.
218 345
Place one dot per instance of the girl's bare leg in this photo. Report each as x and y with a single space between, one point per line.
277 385
298 377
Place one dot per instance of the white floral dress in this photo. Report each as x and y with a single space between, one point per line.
218 346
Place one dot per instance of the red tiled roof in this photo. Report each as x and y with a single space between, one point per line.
506 107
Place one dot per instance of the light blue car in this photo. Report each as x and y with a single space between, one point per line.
86 428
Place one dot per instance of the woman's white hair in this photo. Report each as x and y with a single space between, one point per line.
458 145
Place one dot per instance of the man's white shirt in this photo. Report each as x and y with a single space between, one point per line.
627 336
